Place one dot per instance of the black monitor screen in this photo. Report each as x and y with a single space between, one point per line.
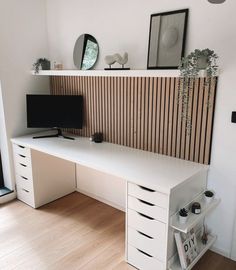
59 111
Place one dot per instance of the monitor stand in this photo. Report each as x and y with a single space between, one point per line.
58 134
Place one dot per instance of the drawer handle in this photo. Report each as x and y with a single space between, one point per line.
21 146
23 165
147 189
25 178
150 204
144 253
22 156
145 216
25 190
145 235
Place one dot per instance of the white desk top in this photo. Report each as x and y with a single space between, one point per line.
155 171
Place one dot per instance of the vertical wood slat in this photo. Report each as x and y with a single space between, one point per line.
144 113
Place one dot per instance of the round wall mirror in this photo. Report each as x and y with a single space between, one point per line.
85 52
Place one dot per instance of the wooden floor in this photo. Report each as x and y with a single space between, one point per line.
75 232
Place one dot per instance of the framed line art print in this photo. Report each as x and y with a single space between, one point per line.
167 37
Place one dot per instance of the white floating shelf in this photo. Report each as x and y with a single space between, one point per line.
110 73
193 219
202 250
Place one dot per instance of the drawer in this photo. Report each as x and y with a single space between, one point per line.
143 261
19 158
25 196
22 150
146 225
148 195
23 170
152 246
24 182
147 208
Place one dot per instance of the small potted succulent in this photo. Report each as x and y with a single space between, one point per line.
183 215
44 63
208 195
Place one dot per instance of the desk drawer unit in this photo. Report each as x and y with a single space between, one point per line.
143 261
23 170
147 212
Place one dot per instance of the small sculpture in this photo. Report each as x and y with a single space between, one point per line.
111 59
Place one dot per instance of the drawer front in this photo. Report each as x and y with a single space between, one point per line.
25 196
18 158
22 150
148 195
147 208
146 225
143 261
152 246
24 182
23 170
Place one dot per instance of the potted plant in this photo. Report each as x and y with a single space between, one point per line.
183 215
208 195
197 64
44 63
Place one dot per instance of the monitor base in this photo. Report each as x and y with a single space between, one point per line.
58 134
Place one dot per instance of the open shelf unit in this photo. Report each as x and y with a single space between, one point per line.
202 250
194 219
109 73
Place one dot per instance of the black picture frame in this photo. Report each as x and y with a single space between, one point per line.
179 31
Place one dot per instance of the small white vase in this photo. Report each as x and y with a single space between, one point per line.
183 220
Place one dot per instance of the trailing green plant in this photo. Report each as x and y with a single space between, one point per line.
44 63
183 212
190 66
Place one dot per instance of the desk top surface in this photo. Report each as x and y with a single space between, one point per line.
159 172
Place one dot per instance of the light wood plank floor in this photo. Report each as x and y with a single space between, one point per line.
75 232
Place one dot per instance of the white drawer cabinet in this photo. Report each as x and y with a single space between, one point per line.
146 230
36 182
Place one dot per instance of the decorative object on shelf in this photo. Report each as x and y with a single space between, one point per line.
196 208
112 59
86 52
208 195
197 63
97 137
216 1
187 247
42 63
167 39
204 237
183 215
57 65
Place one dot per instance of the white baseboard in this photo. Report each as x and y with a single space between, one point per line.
220 251
101 199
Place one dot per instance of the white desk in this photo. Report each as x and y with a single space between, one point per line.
154 186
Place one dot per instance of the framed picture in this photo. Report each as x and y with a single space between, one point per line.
167 39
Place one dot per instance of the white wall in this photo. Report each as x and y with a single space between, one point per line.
23 35
123 25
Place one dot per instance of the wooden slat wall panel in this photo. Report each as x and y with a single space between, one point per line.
144 113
